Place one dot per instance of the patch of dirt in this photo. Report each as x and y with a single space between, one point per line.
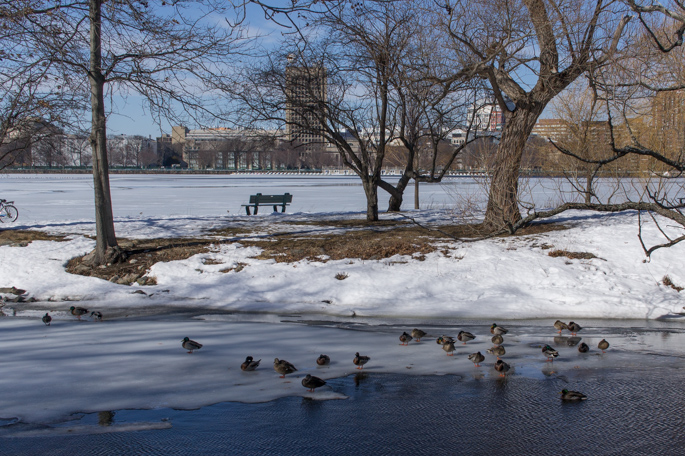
140 256
669 283
572 255
22 238
365 241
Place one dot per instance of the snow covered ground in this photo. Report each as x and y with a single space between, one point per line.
132 360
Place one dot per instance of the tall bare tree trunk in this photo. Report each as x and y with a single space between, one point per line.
503 210
106 250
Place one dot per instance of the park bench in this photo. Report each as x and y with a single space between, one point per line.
268 200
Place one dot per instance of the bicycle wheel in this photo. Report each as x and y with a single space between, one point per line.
12 213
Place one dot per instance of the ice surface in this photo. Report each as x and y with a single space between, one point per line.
132 360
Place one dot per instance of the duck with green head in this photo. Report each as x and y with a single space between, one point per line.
190 345
567 395
549 352
498 330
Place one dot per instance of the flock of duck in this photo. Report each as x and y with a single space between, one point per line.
78 312
311 382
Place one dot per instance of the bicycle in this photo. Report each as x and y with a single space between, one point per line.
8 213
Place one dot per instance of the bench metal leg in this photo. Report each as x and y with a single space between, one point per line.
247 209
256 208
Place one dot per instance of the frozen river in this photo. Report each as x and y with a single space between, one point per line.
43 197
125 385
634 404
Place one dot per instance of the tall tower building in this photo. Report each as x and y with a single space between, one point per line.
305 92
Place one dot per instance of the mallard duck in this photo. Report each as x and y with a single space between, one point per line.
47 319
549 352
190 345
78 311
323 360
574 328
250 364
449 347
360 360
405 338
583 347
96 315
497 350
502 367
560 326
603 345
494 329
283 367
497 339
417 334
477 358
567 395
311 383
443 339
464 337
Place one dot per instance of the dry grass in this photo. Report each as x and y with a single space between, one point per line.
572 255
21 238
362 240
669 283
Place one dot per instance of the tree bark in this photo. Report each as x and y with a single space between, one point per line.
371 191
396 192
502 210
106 250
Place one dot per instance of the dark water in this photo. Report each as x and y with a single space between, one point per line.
626 414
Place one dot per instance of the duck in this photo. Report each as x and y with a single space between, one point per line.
360 360
417 334
464 337
190 345
96 315
494 329
603 345
323 360
567 395
250 364
405 338
283 367
574 328
477 358
443 339
549 352
497 350
47 319
311 383
449 347
560 326
583 347
78 311
497 339
502 367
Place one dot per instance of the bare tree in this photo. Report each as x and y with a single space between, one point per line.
528 51
164 53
